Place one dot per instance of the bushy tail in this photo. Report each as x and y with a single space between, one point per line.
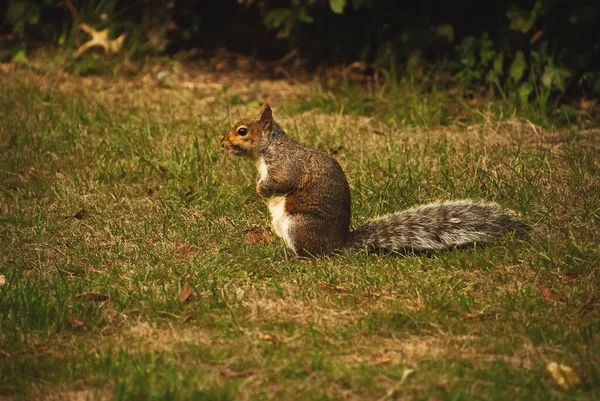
436 226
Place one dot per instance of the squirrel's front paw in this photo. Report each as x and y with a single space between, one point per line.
264 190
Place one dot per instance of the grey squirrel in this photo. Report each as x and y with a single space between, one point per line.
308 198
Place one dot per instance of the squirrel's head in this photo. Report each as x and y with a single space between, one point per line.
248 135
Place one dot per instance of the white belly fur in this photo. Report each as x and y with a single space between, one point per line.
280 220
262 169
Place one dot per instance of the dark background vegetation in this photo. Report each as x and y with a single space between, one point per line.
530 49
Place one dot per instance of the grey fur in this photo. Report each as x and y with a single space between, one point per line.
436 226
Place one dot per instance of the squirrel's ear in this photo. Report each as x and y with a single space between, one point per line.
266 115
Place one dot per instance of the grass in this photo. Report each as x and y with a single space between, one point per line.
115 198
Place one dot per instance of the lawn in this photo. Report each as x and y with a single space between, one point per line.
138 262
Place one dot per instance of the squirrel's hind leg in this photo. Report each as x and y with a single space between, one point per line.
311 238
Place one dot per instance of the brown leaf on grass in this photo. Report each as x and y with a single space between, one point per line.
186 250
563 375
2 280
231 374
256 236
377 132
382 361
78 324
222 66
93 296
550 295
569 276
79 215
43 350
189 318
185 293
272 338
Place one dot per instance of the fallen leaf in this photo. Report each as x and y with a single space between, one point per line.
256 236
2 280
93 296
185 250
189 318
377 132
548 294
270 338
563 375
100 39
569 276
222 66
185 293
382 361
80 214
42 351
78 324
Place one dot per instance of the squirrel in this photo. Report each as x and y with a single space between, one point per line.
308 197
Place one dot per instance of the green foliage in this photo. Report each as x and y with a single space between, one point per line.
337 6
286 19
20 14
529 59
538 53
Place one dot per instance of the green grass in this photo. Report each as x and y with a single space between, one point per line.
408 100
113 199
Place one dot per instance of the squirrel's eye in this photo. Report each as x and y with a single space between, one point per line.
242 131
